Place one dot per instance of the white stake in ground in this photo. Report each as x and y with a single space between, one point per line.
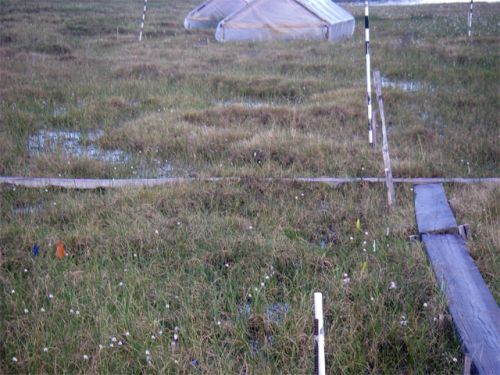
469 23
368 75
319 336
143 18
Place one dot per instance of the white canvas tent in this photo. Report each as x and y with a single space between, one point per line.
286 19
211 12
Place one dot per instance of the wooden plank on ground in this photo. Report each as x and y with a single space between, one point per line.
87 183
432 209
475 312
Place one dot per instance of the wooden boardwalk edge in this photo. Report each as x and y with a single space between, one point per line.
84 183
475 313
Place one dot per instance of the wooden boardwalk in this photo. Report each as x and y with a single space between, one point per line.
475 313
87 183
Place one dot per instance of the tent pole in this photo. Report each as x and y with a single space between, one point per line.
368 75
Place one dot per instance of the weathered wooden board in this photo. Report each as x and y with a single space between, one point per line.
475 312
432 209
87 183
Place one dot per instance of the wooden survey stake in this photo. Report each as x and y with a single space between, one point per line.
391 195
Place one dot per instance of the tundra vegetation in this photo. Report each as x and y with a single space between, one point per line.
219 277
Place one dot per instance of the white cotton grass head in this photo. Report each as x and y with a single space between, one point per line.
403 322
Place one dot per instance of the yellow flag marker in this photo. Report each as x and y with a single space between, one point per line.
363 267
358 225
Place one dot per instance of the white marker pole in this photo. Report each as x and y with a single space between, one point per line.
469 28
319 336
368 75
143 18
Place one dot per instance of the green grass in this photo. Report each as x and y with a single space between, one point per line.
252 110
172 246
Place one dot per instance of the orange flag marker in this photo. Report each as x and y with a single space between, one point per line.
60 252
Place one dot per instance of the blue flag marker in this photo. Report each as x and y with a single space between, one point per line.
36 249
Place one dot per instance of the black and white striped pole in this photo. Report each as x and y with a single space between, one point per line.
143 18
469 23
319 336
368 75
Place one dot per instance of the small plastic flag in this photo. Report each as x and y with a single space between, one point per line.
358 225
36 249
60 252
363 267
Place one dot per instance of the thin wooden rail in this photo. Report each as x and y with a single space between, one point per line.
85 183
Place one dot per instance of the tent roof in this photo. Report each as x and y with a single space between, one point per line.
211 12
286 19
327 10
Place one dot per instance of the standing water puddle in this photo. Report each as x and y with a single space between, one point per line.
274 314
406 86
73 143
245 103
83 146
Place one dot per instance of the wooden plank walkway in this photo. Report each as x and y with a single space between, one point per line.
85 183
475 313
433 213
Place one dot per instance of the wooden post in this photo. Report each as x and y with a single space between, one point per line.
374 127
391 195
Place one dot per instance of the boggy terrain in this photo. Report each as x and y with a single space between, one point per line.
219 277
